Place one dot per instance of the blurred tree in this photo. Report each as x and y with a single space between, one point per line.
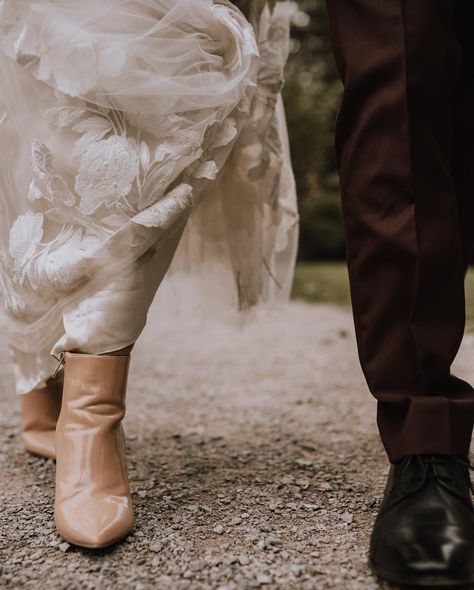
312 93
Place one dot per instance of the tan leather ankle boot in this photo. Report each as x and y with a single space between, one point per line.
93 506
39 413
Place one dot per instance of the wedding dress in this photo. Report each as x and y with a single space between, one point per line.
136 134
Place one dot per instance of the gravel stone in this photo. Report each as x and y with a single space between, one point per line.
218 529
155 547
347 517
64 547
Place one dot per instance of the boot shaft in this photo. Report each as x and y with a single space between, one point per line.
95 385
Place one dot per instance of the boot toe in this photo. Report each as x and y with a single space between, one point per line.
94 523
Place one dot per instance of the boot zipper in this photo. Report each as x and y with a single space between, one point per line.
60 364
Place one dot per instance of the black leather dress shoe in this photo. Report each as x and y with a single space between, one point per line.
424 532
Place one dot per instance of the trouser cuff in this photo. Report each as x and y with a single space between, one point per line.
426 425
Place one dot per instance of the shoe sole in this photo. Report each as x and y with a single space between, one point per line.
421 581
99 546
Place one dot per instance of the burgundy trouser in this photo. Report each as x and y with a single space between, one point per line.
405 147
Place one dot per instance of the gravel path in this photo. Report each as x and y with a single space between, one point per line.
254 463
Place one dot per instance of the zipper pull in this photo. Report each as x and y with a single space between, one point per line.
60 364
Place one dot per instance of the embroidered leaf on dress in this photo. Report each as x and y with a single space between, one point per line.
164 149
93 129
115 221
63 215
25 234
167 210
42 160
35 194
224 133
65 264
144 155
178 146
207 170
59 191
63 116
156 183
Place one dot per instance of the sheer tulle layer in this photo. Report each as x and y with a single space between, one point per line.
154 57
119 119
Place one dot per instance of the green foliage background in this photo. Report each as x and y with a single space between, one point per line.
312 94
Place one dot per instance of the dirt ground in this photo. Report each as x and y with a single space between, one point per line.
254 463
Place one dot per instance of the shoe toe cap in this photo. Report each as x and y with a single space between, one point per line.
94 523
421 552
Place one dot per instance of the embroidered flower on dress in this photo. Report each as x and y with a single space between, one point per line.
106 174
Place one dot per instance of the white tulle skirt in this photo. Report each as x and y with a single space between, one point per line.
135 135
